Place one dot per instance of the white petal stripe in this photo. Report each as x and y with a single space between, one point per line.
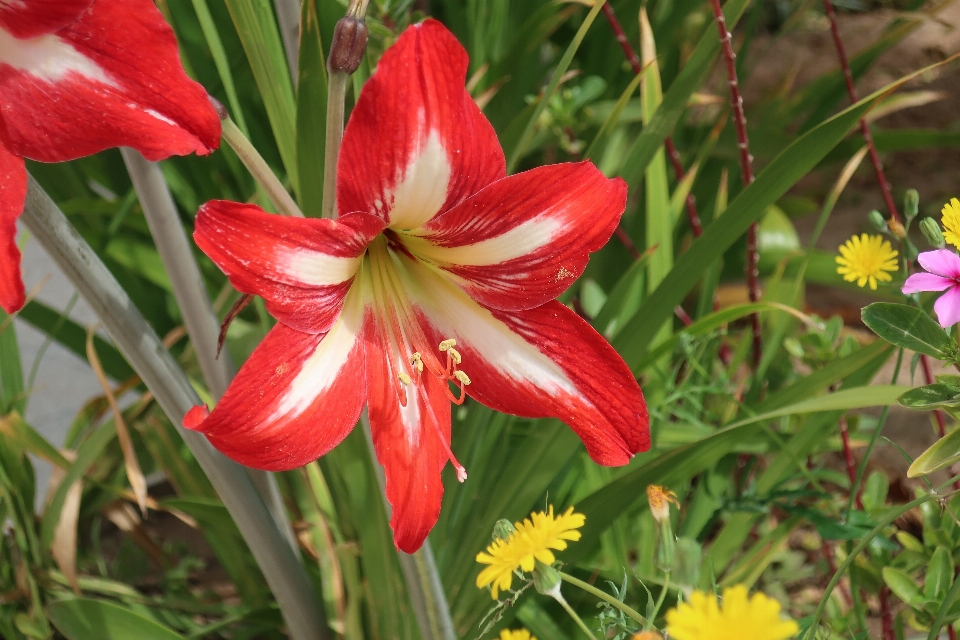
312 268
422 188
523 240
321 369
48 58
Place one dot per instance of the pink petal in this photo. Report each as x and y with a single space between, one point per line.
523 240
541 362
942 262
302 267
416 143
31 18
407 439
947 307
925 282
13 191
295 398
112 78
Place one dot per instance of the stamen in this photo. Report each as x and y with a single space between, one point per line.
461 376
454 355
417 362
461 472
404 378
447 344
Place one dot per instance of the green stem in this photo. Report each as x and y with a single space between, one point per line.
663 596
573 614
259 169
336 94
942 612
606 597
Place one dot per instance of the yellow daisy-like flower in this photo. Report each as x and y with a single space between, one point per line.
738 618
516 634
867 258
951 222
533 540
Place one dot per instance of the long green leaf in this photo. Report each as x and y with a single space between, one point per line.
85 619
311 111
11 371
774 181
258 32
210 34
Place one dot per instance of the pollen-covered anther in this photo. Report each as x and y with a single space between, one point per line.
416 361
404 378
462 377
454 355
449 343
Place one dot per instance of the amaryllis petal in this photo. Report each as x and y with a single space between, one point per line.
416 143
947 307
13 190
302 267
925 282
941 262
296 397
30 18
540 362
523 240
111 78
409 440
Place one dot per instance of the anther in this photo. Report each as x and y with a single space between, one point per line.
448 344
404 378
454 355
461 376
417 362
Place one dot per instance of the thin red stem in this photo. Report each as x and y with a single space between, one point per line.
746 171
886 615
941 421
828 554
864 128
848 459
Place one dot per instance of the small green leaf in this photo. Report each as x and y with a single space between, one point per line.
85 618
939 575
943 453
931 396
908 327
903 586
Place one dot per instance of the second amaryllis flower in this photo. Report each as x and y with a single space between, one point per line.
80 76
438 279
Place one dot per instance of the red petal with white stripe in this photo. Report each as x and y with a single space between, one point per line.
13 190
523 240
29 18
302 267
408 441
540 362
111 78
416 143
295 398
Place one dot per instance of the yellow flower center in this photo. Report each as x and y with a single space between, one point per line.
866 259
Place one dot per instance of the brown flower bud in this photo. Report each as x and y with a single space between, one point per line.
349 45
896 228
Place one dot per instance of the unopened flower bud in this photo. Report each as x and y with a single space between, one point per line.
221 110
897 229
876 219
647 635
503 529
911 203
546 580
932 232
348 46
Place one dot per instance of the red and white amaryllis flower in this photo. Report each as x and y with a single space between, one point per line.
80 76
441 270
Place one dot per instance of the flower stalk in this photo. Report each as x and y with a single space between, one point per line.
257 166
606 597
159 371
746 172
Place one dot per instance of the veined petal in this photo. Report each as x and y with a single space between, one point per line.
416 143
30 18
111 78
295 398
407 438
302 267
13 191
539 362
523 240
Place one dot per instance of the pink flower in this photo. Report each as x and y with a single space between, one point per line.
944 268
440 270
80 76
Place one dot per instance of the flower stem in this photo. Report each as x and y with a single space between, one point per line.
140 345
606 597
660 600
336 95
288 17
573 614
259 169
746 173
194 303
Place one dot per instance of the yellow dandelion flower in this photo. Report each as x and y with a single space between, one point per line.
867 258
951 222
516 634
534 539
738 617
